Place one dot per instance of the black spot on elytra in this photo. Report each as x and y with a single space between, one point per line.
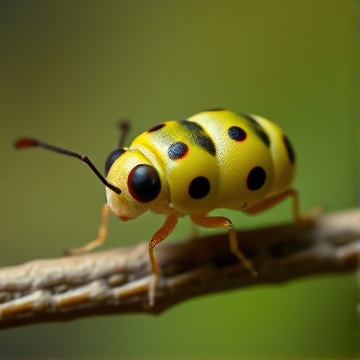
259 130
199 187
256 178
192 126
177 150
236 133
156 127
199 136
264 137
289 149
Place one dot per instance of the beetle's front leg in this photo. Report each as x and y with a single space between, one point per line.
99 240
159 236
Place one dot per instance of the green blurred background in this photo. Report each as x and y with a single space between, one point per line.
71 69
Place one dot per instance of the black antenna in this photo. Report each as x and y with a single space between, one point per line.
28 142
124 127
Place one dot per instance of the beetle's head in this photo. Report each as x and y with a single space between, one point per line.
138 179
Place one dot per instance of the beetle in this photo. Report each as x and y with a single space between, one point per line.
214 159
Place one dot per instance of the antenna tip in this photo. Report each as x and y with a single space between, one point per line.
124 125
25 142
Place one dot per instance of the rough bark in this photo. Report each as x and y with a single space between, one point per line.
116 281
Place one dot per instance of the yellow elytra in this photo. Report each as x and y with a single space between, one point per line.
215 159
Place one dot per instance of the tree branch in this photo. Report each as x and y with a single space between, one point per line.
116 281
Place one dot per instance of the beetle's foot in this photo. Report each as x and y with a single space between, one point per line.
87 247
249 266
152 290
245 262
75 251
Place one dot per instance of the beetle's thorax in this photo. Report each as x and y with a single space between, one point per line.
150 155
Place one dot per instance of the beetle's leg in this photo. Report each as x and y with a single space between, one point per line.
99 240
159 236
274 200
217 222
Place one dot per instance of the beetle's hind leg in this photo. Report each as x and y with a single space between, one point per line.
274 200
218 222
99 240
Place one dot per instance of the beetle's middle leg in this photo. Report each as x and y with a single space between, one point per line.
218 222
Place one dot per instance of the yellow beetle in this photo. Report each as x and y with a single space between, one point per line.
215 159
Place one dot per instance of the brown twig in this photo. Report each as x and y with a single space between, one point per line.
116 281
